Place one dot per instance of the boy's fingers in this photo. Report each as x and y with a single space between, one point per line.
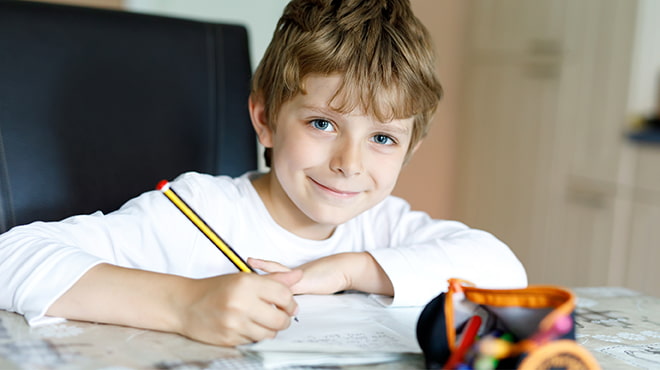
272 319
252 331
267 266
279 293
288 278
260 330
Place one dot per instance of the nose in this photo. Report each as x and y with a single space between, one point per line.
347 158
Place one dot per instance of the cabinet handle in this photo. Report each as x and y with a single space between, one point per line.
587 199
542 70
545 48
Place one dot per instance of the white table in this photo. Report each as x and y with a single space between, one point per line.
620 327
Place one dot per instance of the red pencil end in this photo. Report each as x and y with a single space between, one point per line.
162 184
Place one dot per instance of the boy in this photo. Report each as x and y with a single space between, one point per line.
341 100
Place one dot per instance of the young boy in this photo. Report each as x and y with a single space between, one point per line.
341 100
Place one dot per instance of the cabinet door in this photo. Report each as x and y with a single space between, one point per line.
643 244
644 248
508 133
595 80
544 105
505 149
517 27
578 250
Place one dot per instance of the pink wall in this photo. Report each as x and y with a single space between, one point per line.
427 182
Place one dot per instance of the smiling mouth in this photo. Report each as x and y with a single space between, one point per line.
335 192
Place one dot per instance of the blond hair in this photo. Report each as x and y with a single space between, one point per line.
380 48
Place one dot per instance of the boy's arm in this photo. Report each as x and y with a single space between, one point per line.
415 272
223 310
411 257
342 271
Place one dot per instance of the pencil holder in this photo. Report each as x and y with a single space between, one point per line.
475 328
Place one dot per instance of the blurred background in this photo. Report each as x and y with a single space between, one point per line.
543 137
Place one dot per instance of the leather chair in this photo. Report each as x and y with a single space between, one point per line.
97 106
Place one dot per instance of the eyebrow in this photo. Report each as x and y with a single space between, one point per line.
397 129
320 109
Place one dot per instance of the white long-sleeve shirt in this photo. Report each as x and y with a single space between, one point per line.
41 261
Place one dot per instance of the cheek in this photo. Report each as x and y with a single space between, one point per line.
385 171
294 150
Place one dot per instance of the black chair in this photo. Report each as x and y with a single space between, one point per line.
97 106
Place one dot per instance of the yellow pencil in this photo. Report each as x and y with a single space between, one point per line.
164 187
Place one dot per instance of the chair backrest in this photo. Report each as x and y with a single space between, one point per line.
97 106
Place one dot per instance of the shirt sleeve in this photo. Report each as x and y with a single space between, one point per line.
423 253
34 272
39 262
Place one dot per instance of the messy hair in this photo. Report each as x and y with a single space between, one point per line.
379 47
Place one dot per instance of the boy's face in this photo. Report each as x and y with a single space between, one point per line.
328 167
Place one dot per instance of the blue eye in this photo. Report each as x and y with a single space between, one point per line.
322 125
383 140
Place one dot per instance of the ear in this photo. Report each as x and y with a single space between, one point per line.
419 143
259 121
410 154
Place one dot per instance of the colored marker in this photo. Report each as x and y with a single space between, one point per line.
562 325
164 187
467 339
497 347
491 350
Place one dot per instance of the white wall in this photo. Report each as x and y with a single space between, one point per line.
645 74
259 16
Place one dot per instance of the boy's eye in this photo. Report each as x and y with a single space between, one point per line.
322 125
383 139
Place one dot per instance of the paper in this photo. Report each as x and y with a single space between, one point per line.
342 329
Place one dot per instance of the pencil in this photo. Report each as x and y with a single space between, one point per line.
164 187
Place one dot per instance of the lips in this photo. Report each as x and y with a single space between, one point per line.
334 191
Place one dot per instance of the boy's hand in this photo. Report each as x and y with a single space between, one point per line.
239 308
224 310
318 277
334 273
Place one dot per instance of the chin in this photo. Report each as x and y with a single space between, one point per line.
332 217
